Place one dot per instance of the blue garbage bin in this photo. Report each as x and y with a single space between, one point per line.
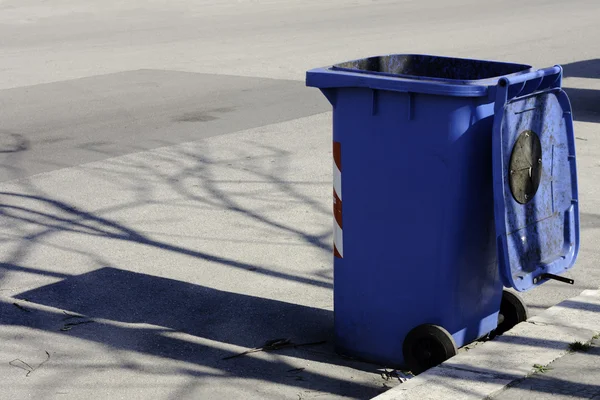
452 179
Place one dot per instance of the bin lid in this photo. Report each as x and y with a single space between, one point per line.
535 188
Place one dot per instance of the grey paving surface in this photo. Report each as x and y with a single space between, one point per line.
574 376
183 253
58 125
180 265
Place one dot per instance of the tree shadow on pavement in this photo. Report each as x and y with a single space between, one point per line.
171 344
165 317
59 216
576 305
535 385
583 69
195 182
555 387
558 381
131 297
173 308
585 102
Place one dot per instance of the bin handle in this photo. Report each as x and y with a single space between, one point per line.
511 87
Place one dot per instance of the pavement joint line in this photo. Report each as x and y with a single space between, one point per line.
507 386
475 371
445 378
516 381
539 323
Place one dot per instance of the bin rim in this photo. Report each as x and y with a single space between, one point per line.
334 76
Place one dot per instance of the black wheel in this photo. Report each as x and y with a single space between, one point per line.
427 346
512 312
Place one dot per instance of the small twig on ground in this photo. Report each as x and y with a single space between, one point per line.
28 369
401 376
70 325
309 344
293 373
45 361
71 316
327 353
269 345
26 366
20 307
274 344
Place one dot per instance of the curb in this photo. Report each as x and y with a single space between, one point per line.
489 368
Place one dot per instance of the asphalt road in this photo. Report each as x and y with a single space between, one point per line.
63 124
166 174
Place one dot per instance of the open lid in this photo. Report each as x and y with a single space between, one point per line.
535 179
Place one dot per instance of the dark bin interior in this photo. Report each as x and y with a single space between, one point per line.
422 66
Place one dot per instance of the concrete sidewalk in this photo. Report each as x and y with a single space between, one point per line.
552 355
573 376
139 277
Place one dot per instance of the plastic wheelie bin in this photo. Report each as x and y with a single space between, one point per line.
453 178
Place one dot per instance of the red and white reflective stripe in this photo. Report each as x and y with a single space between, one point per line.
338 237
